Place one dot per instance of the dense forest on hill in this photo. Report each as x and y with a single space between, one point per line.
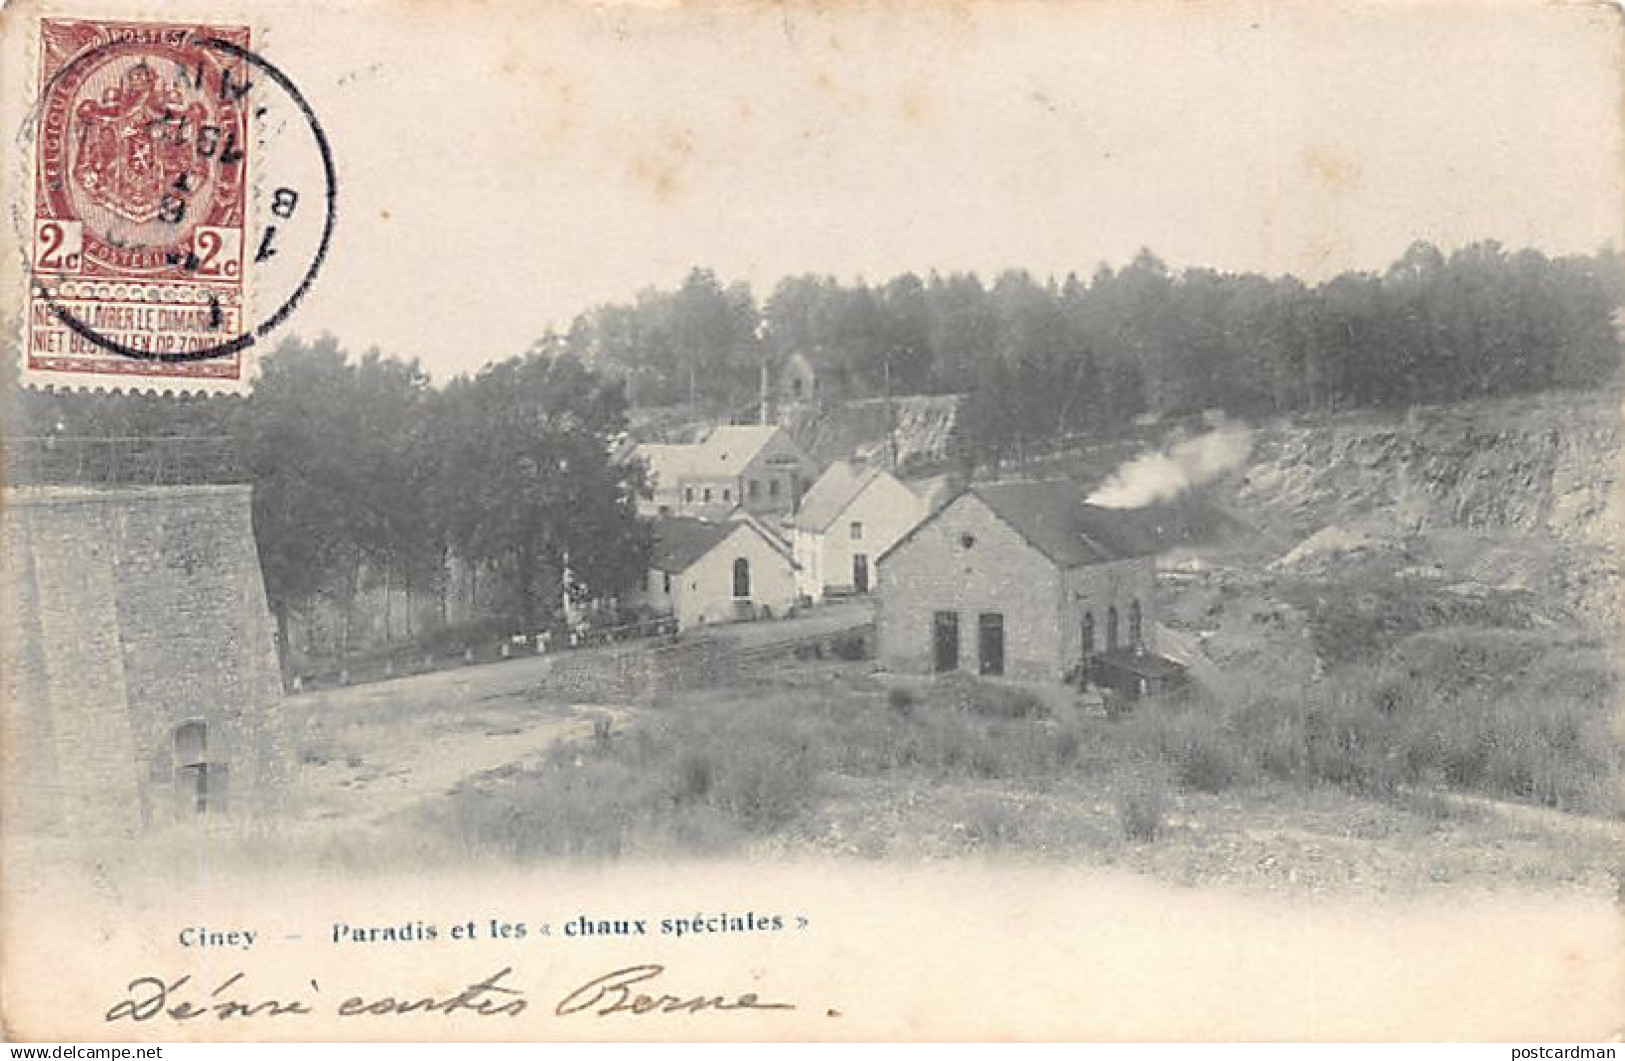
1039 358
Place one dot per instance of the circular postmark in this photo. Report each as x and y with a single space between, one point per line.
172 162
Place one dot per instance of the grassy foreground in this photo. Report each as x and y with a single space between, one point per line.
705 771
1521 715
1512 715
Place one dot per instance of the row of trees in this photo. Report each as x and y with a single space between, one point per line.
363 471
1042 358
706 342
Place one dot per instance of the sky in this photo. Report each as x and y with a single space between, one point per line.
503 167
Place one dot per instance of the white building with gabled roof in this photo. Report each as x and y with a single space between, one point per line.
852 514
704 572
757 468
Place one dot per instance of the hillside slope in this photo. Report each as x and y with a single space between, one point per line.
839 431
1546 466
1481 499
1477 524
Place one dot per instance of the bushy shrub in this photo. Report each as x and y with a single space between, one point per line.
1509 714
1193 736
850 646
991 699
991 822
1142 809
1209 763
1368 616
699 776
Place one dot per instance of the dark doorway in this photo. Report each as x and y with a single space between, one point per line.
945 639
1088 634
990 642
741 579
1111 629
860 573
191 759
1136 621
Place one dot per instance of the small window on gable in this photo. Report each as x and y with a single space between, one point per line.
772 488
857 530
755 489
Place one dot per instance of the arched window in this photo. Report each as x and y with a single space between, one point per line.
741 578
191 742
1111 628
1088 633
1134 623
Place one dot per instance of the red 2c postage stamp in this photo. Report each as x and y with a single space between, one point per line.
140 202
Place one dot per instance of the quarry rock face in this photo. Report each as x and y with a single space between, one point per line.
1515 495
1531 466
140 676
921 425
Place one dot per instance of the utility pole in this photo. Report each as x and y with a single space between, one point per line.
762 417
760 337
891 418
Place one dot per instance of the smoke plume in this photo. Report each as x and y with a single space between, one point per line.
1163 476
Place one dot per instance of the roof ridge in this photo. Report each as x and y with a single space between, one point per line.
858 475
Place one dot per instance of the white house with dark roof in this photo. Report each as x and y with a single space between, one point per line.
713 572
852 514
1024 579
757 468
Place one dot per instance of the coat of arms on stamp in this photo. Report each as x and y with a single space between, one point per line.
141 172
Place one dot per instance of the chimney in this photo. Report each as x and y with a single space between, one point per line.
762 417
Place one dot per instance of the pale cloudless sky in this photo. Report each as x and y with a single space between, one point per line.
505 166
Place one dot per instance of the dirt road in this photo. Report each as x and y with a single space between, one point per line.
366 753
827 619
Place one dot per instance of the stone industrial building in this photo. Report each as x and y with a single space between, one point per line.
140 681
1023 579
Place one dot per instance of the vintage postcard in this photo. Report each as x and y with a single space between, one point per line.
782 521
